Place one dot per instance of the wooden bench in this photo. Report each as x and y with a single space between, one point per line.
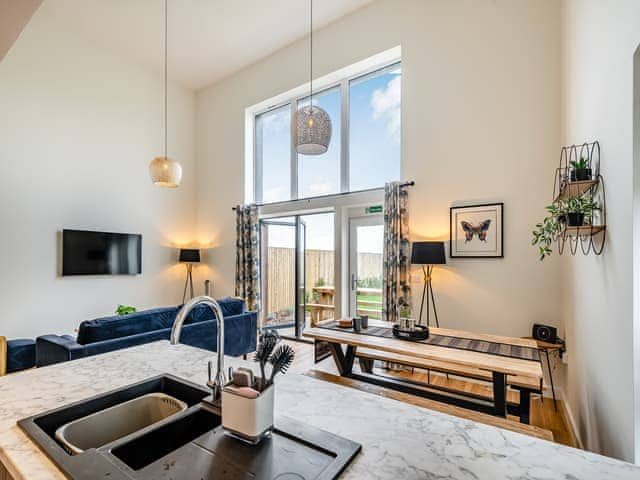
318 311
436 406
445 367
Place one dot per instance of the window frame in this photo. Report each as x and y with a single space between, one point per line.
343 86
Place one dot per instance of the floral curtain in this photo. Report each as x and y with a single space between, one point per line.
396 285
247 256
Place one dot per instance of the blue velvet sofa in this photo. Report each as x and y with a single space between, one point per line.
117 332
20 355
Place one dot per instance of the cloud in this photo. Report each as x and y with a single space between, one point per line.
385 103
276 122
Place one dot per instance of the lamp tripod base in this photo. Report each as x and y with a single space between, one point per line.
188 283
427 292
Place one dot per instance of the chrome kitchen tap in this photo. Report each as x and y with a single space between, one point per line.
219 380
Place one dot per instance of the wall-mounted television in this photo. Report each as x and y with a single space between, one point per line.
101 253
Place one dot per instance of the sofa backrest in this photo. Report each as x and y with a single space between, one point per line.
119 326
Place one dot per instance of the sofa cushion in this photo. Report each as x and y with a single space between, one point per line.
21 354
107 328
231 306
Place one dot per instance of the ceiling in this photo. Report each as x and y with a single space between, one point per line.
208 39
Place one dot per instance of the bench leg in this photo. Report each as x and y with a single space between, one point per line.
525 406
500 394
344 361
366 365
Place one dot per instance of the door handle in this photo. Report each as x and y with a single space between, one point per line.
354 282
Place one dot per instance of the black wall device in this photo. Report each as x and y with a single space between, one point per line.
544 333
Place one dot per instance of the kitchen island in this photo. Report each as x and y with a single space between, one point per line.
399 441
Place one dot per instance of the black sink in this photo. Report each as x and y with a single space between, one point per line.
148 448
190 444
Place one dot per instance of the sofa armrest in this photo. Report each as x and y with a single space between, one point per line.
52 349
3 356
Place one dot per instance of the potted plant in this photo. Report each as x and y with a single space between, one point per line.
580 170
570 212
578 210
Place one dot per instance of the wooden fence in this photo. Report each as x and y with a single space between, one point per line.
280 273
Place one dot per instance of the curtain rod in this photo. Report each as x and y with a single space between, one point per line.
410 183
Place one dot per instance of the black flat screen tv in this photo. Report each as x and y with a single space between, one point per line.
101 253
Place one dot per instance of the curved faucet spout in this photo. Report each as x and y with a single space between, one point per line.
219 379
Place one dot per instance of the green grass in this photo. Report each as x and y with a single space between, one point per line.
370 298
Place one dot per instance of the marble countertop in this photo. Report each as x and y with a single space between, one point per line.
400 441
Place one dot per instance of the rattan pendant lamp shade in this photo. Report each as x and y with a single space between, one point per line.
313 124
165 171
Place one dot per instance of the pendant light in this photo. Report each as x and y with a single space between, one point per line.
313 124
165 172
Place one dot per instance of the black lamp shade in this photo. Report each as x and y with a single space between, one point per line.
428 253
190 255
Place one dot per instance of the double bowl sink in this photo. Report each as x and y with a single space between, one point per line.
159 428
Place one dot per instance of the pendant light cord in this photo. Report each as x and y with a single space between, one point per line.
310 56
165 78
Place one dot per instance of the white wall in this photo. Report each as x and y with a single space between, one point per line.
480 122
599 40
78 127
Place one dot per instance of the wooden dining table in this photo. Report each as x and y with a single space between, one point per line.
502 372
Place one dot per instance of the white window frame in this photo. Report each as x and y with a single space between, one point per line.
342 80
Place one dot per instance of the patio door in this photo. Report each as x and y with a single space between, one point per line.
301 284
283 266
366 235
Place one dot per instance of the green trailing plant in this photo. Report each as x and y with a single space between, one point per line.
581 164
405 312
546 232
554 223
125 310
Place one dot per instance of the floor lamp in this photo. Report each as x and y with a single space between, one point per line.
428 254
188 256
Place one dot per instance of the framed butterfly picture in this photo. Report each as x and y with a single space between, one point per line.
476 231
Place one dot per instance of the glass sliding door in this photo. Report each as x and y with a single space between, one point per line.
278 273
301 285
298 257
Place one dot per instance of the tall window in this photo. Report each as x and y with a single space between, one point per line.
364 151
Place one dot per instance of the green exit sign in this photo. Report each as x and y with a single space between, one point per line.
373 209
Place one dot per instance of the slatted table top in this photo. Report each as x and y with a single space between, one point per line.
479 360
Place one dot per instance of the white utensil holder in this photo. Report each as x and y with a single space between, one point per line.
248 419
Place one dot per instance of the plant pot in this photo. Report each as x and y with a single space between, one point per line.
580 174
248 419
575 219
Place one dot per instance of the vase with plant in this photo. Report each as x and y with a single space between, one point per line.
580 170
247 401
569 212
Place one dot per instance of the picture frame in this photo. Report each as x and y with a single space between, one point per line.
476 231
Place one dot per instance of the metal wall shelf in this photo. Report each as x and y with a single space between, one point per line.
591 238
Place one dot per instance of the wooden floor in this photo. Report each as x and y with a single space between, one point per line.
543 414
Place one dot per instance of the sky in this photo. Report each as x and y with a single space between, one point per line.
374 153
